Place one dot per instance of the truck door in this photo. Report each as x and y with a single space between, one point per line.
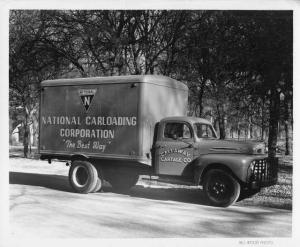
174 148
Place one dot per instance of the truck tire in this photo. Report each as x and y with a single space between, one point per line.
83 176
123 182
99 183
220 188
97 187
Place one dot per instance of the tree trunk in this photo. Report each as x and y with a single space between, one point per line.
273 121
262 134
287 139
26 140
263 126
200 98
286 126
221 121
250 128
11 129
222 128
200 94
26 132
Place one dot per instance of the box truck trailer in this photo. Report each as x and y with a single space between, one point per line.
118 128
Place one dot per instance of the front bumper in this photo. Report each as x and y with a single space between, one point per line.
263 172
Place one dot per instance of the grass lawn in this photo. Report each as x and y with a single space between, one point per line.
279 195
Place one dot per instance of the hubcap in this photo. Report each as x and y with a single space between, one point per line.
219 189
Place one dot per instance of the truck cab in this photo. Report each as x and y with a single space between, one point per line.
175 147
188 148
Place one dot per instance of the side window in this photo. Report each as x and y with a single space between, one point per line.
180 130
204 130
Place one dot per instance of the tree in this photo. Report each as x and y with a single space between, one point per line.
236 63
30 63
268 52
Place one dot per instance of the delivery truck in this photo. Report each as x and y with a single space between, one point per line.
118 128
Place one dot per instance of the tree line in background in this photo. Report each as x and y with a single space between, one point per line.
238 65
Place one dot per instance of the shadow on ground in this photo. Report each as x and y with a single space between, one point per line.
56 182
61 183
168 194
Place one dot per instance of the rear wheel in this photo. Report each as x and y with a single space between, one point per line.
99 183
220 188
97 187
122 182
83 176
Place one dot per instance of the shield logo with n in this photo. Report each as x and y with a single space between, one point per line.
87 96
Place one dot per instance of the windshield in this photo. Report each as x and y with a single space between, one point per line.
204 130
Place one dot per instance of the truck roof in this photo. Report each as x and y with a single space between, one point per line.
187 119
153 79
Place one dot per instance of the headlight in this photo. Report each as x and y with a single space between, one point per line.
259 149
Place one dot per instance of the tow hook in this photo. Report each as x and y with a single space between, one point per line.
67 164
49 161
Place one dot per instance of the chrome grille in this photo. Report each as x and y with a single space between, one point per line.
264 170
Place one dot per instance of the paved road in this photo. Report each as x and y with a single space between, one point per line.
43 205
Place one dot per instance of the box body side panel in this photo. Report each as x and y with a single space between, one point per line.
158 102
98 120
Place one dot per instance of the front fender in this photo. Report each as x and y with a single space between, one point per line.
238 164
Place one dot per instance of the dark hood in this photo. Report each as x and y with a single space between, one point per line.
230 146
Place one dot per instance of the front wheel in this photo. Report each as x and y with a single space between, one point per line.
221 189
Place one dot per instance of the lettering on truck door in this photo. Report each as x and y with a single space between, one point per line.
174 150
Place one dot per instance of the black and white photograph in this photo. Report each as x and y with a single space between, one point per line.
149 122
